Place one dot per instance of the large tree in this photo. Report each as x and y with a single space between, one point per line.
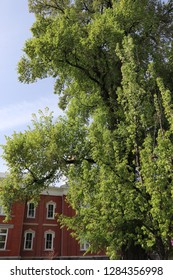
112 62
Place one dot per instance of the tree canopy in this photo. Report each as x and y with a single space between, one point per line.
113 71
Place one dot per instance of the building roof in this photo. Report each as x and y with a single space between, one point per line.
2 174
52 190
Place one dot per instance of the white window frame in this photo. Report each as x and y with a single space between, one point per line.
84 245
1 210
28 210
50 203
32 232
52 233
6 236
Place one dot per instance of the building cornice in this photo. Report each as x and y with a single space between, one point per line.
52 190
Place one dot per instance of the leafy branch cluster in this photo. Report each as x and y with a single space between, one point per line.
112 62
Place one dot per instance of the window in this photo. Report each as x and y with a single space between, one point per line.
3 238
28 240
49 238
1 210
31 210
50 210
84 245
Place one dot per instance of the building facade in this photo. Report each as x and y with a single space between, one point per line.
34 233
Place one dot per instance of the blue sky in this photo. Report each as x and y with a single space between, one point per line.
18 101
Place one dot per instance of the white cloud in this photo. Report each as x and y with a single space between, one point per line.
15 115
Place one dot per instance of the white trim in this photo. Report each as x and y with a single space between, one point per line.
47 210
6 226
29 231
56 191
28 209
50 225
2 174
51 190
1 211
84 245
30 224
45 237
6 237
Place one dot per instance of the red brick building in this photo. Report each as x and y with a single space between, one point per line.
33 233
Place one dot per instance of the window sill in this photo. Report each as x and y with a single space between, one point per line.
48 250
4 250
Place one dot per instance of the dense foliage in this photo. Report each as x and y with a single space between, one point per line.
113 65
